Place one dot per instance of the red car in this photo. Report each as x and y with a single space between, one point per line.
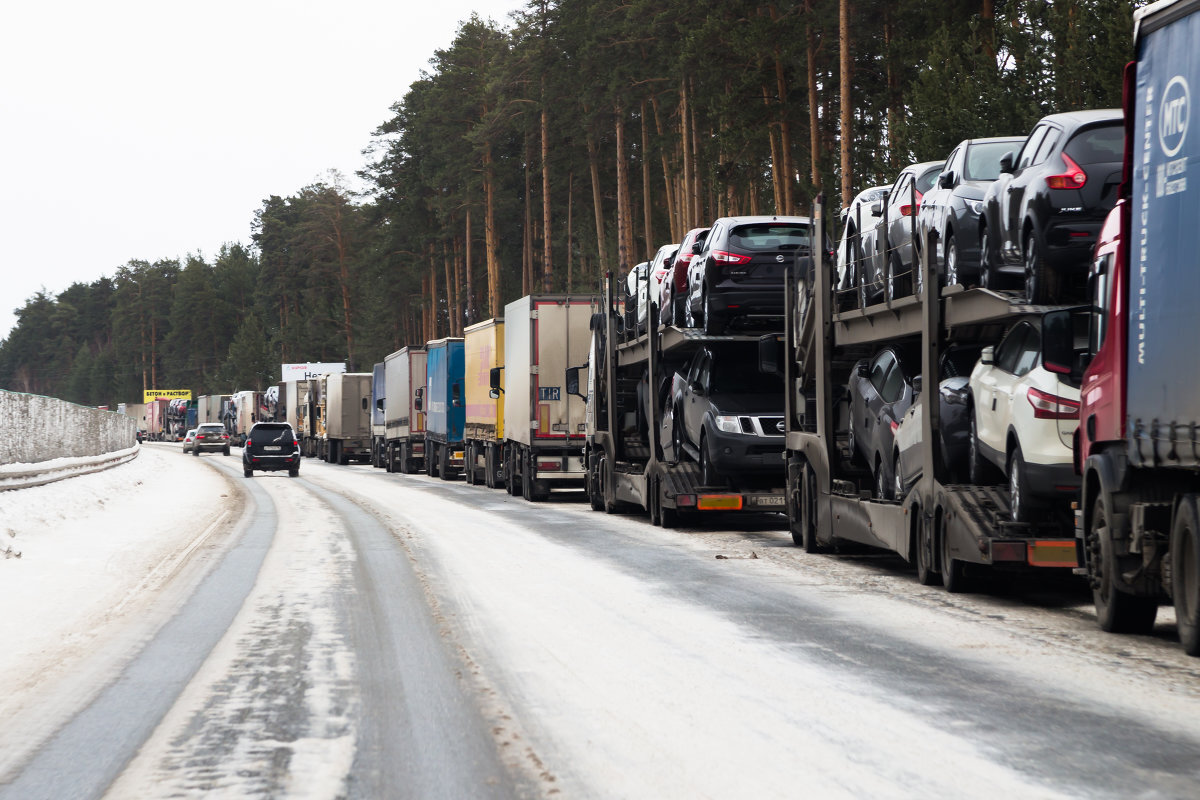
673 292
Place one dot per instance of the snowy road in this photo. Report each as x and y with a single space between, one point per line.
371 635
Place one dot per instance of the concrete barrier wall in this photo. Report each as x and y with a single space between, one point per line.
35 429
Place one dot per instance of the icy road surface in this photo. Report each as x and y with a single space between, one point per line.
354 633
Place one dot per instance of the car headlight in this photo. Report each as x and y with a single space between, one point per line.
729 424
976 206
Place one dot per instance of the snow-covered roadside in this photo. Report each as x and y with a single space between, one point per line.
94 552
24 476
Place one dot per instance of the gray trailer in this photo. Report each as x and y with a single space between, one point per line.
347 433
403 422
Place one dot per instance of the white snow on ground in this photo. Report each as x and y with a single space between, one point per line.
227 734
93 550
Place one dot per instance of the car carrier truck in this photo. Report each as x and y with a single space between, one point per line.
1138 446
403 420
544 425
631 457
953 531
483 347
444 404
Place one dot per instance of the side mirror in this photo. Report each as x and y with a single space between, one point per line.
946 179
379 404
917 383
877 208
456 398
494 380
697 246
419 398
572 381
770 355
1058 344
862 369
987 355
365 404
1006 162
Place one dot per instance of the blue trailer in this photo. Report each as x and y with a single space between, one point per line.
378 428
444 404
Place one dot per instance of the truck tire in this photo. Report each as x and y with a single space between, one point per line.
1116 611
444 471
923 555
954 572
342 458
593 482
1185 574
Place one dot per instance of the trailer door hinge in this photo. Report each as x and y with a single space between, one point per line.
533 314
533 369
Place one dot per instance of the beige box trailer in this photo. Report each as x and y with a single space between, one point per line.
347 397
483 434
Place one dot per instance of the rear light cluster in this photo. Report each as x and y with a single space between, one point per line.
909 210
1073 178
1051 406
726 257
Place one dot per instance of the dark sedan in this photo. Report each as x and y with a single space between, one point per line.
951 209
881 390
1042 216
737 279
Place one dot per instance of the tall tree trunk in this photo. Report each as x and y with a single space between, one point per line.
594 166
471 308
647 206
570 244
489 231
785 138
777 177
433 292
547 268
527 237
624 222
846 132
673 223
447 265
814 119
685 128
698 189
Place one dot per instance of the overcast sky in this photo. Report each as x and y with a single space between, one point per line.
144 129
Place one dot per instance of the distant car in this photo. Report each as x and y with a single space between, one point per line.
881 390
271 446
737 279
187 440
672 297
888 243
1042 216
635 283
1025 409
954 431
141 435
730 416
656 273
952 207
857 217
210 436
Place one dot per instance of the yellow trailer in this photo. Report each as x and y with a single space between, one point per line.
483 436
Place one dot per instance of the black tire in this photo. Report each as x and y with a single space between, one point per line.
1037 273
226 450
469 465
897 481
608 496
1116 611
954 572
652 503
714 324
851 443
677 437
987 278
527 477
950 274
294 472
883 489
896 285
709 476
247 472
804 526
927 573
1185 574
595 498
1022 506
443 467
195 451
979 469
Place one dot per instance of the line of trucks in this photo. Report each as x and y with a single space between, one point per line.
561 392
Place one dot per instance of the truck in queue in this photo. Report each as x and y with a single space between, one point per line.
545 426
403 420
346 419
1138 446
642 385
483 440
444 403
378 430
869 384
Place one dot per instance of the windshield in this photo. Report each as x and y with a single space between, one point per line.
983 160
739 375
770 236
1101 145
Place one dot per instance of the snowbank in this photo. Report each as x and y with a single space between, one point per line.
34 429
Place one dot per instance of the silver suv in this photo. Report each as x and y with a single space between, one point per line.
210 436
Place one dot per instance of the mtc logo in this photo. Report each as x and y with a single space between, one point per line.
1173 114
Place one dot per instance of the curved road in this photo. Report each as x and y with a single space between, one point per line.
374 635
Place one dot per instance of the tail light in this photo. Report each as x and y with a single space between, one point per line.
725 257
1051 406
910 209
1073 178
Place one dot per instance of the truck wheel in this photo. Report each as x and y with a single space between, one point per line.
1185 574
595 498
444 471
927 574
527 477
342 458
1116 611
469 465
652 502
954 572
608 497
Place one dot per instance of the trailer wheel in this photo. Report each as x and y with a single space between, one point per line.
444 471
1185 574
927 574
801 507
954 572
469 465
1116 611
608 497
653 502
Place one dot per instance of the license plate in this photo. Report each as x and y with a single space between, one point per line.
771 500
271 447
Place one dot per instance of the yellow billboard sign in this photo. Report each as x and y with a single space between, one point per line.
150 395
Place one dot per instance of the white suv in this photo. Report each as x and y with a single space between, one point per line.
1025 409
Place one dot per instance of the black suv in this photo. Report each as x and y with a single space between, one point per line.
738 275
1042 216
271 446
727 415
